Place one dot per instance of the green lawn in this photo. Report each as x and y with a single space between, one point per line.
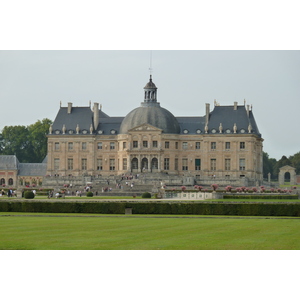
62 231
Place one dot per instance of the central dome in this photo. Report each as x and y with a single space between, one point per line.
150 113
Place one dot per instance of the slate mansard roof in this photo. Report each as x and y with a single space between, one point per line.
84 118
8 162
32 169
228 116
222 120
11 162
158 117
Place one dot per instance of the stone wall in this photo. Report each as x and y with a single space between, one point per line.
193 196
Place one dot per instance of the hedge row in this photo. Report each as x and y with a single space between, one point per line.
237 209
263 197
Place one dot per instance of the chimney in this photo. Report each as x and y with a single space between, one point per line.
69 107
235 106
96 115
207 112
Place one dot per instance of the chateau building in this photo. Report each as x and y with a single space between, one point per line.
225 143
14 174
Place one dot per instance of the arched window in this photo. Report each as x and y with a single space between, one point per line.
134 164
145 163
10 181
154 164
2 181
287 177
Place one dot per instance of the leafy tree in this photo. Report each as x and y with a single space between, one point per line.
15 142
295 160
29 143
284 161
268 166
38 139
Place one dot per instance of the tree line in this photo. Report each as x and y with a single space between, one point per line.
272 166
28 143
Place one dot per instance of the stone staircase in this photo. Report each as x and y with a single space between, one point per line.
133 184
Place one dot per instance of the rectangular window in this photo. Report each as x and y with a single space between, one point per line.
84 164
70 146
135 144
124 164
154 144
185 164
197 145
99 145
167 164
112 164
213 164
197 164
176 164
213 146
56 146
124 145
145 144
56 163
176 145
99 164
112 146
70 163
83 146
184 145
167 145
227 164
227 145
242 145
242 164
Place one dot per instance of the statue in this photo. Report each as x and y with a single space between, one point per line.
50 129
206 128
77 129
249 128
234 128
91 129
221 128
64 129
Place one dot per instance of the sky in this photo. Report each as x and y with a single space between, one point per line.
34 82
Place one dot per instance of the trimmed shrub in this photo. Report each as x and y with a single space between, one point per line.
263 197
28 195
214 186
146 195
89 194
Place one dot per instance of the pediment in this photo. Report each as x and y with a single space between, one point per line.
145 127
287 168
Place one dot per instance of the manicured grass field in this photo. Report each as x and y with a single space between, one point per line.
68 231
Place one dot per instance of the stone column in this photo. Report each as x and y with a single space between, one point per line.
159 163
128 163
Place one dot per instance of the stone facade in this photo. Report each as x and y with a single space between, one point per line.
14 174
224 144
291 171
147 149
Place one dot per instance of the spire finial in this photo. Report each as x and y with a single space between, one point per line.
150 69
